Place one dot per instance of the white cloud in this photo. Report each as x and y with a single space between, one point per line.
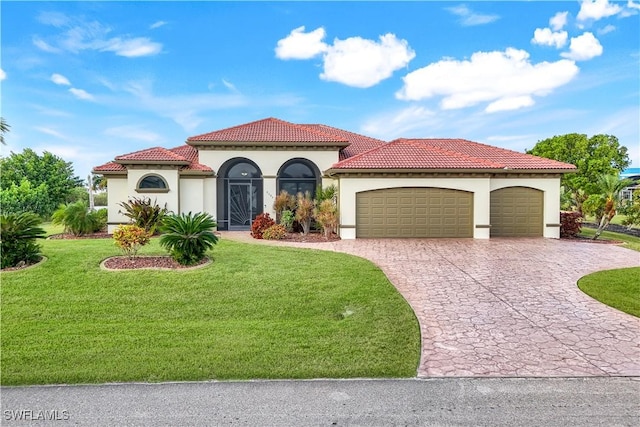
507 104
583 48
133 132
558 21
79 34
51 132
157 24
606 30
229 85
3 75
44 46
59 79
597 9
55 19
506 80
81 94
140 46
301 45
354 61
470 18
632 5
546 37
364 63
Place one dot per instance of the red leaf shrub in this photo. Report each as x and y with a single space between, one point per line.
570 224
261 223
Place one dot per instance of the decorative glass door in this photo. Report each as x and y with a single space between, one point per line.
240 205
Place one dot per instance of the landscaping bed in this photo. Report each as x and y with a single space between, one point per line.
141 262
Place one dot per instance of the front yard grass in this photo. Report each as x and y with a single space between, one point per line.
631 242
255 312
618 288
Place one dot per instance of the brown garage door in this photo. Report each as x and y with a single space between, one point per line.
516 212
414 212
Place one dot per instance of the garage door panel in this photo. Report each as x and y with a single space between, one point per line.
516 212
414 212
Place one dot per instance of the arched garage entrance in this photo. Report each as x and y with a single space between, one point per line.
517 212
414 212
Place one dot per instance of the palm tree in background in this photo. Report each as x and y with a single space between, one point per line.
610 187
4 128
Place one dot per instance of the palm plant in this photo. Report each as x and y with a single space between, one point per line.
304 211
77 219
18 233
187 237
610 187
144 213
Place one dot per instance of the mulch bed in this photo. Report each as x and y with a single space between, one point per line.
23 265
69 236
585 239
151 262
310 238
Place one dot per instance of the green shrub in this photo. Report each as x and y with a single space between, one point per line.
16 199
101 199
328 193
188 237
18 234
78 220
143 213
130 238
283 202
261 223
326 215
275 232
286 219
304 211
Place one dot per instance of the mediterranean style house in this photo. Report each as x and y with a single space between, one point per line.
403 188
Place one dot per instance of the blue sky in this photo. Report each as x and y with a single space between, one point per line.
91 80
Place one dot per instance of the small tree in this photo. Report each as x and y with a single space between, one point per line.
130 238
304 211
631 210
327 216
609 187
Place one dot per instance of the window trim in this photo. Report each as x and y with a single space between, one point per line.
152 190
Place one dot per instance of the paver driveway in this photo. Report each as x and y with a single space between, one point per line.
508 307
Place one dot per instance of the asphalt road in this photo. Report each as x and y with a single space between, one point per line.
450 402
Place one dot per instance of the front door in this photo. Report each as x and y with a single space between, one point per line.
240 205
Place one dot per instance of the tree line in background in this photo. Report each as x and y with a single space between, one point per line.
595 188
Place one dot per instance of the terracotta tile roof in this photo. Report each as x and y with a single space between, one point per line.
110 167
155 154
357 143
184 155
271 130
445 154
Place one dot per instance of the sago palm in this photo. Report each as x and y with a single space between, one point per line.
188 237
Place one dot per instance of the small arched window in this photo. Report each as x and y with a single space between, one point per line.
298 176
152 184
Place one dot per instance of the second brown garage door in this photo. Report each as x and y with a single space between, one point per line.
414 212
516 212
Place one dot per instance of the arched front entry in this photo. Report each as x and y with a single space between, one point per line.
239 194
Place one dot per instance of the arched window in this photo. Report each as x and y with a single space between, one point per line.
298 176
152 184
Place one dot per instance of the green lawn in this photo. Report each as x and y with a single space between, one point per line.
255 312
630 242
617 288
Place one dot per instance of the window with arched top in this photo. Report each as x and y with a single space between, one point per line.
152 184
298 176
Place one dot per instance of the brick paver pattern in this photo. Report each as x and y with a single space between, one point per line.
506 307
